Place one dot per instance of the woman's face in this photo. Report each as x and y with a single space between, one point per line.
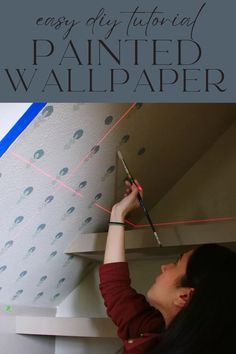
165 294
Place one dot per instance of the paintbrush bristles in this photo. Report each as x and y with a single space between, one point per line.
124 164
120 155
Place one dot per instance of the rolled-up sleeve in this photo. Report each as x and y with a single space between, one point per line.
128 309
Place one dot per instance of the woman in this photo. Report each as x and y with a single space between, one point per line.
190 308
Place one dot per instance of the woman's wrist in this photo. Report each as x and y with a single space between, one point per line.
117 215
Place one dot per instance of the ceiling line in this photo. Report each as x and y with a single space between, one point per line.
76 168
185 222
193 221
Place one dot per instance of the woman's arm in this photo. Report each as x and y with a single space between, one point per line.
128 309
115 244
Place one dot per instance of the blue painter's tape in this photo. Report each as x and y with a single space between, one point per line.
20 126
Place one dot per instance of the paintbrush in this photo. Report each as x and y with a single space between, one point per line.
131 179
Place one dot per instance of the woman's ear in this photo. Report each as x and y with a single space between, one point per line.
183 296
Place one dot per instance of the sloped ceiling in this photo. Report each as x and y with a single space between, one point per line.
62 176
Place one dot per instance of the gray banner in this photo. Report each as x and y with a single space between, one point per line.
87 51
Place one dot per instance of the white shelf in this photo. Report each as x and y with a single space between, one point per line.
70 327
140 243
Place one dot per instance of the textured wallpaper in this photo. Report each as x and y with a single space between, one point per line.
50 180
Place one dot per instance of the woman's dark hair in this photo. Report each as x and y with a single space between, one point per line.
207 325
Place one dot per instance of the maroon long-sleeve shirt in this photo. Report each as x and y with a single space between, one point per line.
139 324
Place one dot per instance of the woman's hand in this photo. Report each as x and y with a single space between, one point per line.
128 203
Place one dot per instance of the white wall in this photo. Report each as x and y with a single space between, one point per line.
11 343
87 345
